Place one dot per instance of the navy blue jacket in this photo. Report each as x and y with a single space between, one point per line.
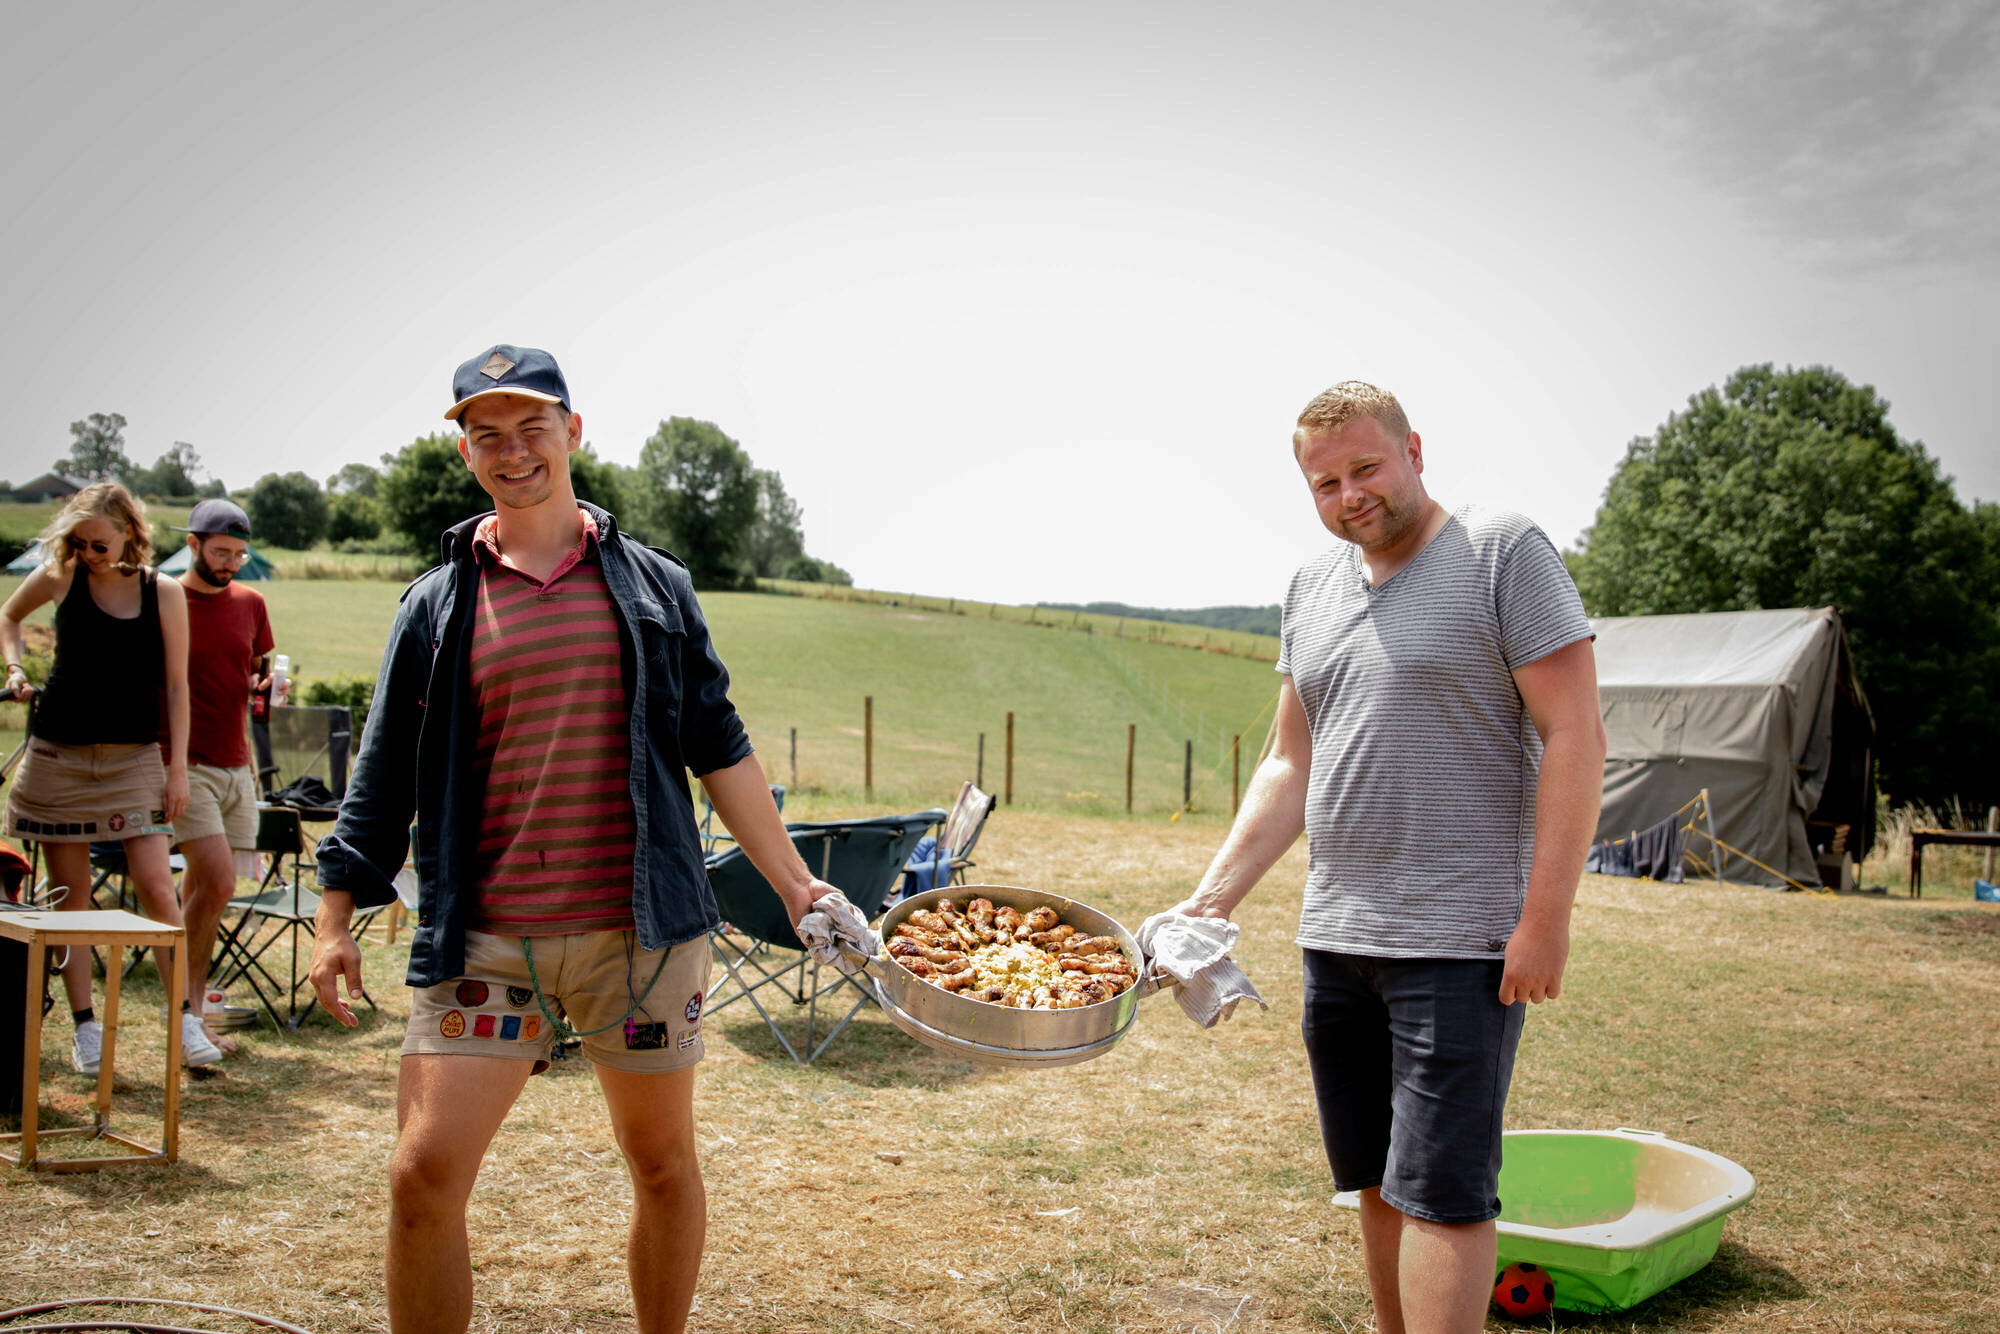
418 751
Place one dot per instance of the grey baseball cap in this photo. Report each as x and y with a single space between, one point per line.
218 518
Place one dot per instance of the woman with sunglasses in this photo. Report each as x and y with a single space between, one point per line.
93 772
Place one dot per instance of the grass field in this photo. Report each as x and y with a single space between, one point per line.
938 681
1843 1049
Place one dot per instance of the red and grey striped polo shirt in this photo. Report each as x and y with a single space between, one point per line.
557 832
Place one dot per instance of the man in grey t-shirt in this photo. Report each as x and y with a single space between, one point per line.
1438 740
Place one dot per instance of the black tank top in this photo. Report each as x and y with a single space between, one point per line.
105 686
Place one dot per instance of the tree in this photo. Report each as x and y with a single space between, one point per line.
172 474
426 488
700 492
287 510
777 533
355 479
599 482
97 447
804 568
1791 489
353 517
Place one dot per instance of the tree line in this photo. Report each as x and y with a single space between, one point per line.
694 491
1776 489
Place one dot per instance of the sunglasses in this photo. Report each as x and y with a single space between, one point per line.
101 548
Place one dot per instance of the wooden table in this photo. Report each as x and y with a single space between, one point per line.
1920 838
114 930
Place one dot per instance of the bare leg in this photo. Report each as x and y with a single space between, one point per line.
447 1111
206 887
153 883
1450 1269
1381 1252
653 1116
69 865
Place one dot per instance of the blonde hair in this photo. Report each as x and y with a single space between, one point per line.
100 500
1346 401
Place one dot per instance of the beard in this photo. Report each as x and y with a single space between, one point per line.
215 577
1396 516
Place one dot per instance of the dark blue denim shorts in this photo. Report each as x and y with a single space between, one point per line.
1411 1059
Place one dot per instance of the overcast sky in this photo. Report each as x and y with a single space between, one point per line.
1021 300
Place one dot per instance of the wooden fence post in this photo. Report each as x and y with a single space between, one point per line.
1187 778
1992 827
868 746
1009 800
1235 774
1131 739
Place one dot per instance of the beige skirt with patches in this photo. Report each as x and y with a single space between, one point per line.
87 794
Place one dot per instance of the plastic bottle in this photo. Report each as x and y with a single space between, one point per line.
281 680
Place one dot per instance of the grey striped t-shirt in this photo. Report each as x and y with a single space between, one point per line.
1420 806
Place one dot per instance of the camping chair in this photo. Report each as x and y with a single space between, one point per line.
280 898
860 858
297 741
944 859
710 836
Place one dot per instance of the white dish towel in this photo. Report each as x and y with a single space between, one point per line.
832 920
1191 954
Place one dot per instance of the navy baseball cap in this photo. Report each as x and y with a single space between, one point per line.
218 518
506 369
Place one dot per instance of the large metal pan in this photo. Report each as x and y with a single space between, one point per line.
999 1035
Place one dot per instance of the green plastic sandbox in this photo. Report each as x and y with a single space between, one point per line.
1615 1216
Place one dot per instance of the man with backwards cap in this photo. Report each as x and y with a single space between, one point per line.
543 693
229 636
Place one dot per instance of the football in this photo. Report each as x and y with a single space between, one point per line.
1524 1291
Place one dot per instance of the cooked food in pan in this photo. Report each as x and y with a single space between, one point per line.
1031 961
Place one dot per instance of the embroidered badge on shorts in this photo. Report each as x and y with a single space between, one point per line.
452 1025
471 993
693 1011
645 1037
510 1028
688 1039
482 1026
518 997
531 1029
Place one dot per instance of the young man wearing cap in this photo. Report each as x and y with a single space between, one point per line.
542 696
229 634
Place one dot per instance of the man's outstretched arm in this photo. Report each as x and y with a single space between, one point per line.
1271 820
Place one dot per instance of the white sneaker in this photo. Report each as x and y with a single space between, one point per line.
196 1047
86 1049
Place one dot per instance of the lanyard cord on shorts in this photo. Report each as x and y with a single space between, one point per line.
560 1027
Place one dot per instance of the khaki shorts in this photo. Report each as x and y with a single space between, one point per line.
589 980
84 794
220 801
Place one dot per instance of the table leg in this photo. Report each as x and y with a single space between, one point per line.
1916 867
31 1052
177 969
114 971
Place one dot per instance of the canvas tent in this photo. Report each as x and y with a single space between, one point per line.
255 567
1762 709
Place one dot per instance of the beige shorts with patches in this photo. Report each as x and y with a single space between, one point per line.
220 801
589 980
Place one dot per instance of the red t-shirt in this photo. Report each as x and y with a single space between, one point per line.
227 633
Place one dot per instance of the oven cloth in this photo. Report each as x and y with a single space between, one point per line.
833 921
1191 954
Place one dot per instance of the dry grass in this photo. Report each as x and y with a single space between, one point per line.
1842 1049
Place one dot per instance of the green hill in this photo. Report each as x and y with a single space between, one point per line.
938 680
1250 620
